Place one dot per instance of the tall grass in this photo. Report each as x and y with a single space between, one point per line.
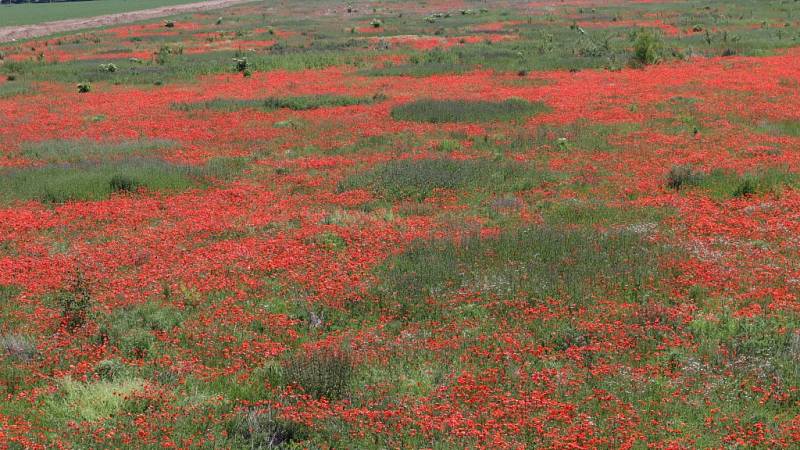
74 151
90 401
59 183
723 184
442 111
297 103
418 179
538 262
10 89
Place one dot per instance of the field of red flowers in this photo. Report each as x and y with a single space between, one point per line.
442 224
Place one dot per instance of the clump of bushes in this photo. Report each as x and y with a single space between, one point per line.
84 87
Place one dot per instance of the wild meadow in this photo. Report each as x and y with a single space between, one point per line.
387 224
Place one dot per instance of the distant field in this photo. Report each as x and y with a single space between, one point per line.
32 13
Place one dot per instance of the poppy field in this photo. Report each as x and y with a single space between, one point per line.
390 224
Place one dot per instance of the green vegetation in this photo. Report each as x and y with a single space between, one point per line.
647 47
90 401
441 111
418 179
724 184
75 151
539 262
11 88
59 183
31 13
131 329
172 65
299 103
782 128
322 373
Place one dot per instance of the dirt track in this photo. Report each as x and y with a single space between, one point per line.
43 29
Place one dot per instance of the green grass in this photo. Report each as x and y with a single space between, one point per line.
443 111
322 373
180 67
782 128
297 103
723 184
592 213
90 401
418 179
59 183
74 151
9 89
537 262
131 329
29 13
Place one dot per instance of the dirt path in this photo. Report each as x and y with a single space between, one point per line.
43 29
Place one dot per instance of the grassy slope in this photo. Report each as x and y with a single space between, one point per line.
30 13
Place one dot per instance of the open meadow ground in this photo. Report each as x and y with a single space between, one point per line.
445 224
32 13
